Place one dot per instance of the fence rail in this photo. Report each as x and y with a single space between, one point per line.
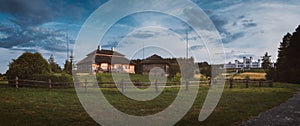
125 84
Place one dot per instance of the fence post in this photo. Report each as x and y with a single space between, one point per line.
156 86
270 83
50 84
17 82
187 85
85 85
230 83
209 83
122 85
247 83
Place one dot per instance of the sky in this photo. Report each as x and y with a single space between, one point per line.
246 27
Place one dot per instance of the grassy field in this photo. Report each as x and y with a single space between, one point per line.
3 82
252 75
29 107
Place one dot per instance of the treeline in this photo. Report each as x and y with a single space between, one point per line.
32 66
287 67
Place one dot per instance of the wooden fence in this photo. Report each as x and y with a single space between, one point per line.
247 83
38 84
142 85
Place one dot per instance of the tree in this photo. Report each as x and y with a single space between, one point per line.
266 61
53 66
205 69
281 73
287 68
69 65
293 58
26 65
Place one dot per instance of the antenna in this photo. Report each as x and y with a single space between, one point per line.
143 50
187 45
67 45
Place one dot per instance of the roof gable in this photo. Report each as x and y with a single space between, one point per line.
154 59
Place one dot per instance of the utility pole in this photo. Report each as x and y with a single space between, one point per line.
187 45
67 45
143 50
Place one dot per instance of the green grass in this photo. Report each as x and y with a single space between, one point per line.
3 82
40 107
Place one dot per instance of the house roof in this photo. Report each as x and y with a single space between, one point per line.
154 59
105 52
105 56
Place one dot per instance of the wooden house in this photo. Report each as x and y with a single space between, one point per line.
102 61
153 62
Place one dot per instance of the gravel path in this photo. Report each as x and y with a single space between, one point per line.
286 114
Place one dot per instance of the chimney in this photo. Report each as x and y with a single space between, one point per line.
99 47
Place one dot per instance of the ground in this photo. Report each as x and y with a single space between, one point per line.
33 106
287 113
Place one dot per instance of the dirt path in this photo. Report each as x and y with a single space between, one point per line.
286 114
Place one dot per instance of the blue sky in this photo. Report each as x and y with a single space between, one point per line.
247 28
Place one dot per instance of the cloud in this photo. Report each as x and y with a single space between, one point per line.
33 37
249 23
196 47
231 37
25 13
41 23
145 34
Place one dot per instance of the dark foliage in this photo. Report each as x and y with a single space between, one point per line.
287 68
26 65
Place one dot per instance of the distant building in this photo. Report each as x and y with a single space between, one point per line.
153 62
247 63
102 60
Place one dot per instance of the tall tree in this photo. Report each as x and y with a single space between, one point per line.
293 57
266 61
281 72
68 65
287 68
53 66
26 65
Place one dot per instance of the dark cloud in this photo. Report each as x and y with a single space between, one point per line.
143 35
220 22
24 29
27 13
249 23
32 38
231 37
196 47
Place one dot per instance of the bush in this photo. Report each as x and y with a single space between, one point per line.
26 65
177 77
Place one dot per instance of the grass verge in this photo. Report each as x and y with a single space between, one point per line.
29 107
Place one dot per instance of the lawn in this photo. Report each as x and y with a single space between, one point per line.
28 106
251 75
3 82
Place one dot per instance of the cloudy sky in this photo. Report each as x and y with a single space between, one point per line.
246 27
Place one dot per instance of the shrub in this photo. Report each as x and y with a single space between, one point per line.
177 77
26 65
